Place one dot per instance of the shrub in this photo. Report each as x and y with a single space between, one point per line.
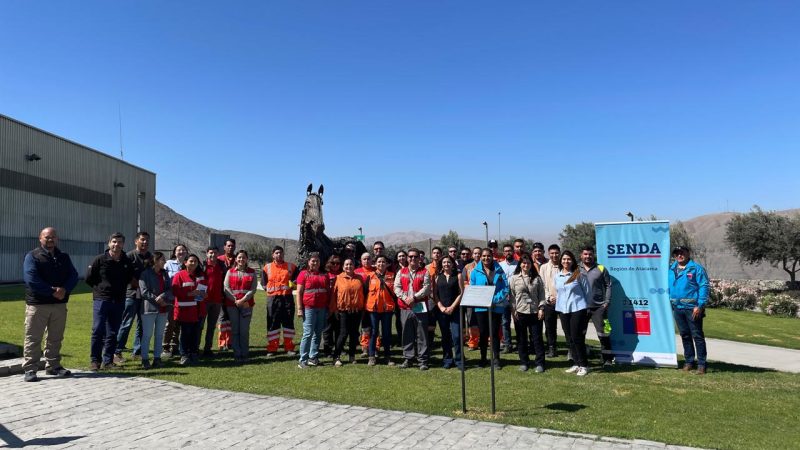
741 300
783 305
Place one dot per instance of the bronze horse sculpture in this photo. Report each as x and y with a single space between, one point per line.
312 232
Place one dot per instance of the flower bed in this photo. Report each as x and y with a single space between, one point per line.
770 297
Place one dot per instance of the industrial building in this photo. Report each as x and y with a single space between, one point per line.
46 180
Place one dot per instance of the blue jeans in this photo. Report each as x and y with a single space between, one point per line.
106 317
153 326
507 327
384 321
313 326
691 332
133 310
451 337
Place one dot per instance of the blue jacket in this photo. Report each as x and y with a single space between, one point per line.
689 287
500 283
43 272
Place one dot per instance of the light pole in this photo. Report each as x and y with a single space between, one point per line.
486 226
498 226
361 233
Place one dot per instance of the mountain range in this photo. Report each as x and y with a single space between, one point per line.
708 232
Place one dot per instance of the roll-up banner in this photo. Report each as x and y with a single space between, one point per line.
636 255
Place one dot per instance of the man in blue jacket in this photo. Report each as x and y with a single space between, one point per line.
49 278
688 292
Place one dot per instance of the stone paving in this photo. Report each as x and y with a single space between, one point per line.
103 411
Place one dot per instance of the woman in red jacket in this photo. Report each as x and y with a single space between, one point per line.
189 288
240 288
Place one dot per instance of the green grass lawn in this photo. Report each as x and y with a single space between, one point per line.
731 407
752 327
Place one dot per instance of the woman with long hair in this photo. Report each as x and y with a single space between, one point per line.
189 288
380 309
348 305
489 273
156 289
313 295
447 292
526 292
240 289
572 290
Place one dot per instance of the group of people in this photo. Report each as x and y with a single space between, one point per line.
346 300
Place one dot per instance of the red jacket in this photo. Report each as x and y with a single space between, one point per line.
187 308
215 277
240 285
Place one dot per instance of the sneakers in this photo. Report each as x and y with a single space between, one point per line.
372 361
184 361
30 376
523 368
291 353
302 365
270 354
315 362
59 372
423 366
118 358
582 371
166 354
338 363
389 362
406 364
551 353
608 364
539 369
94 366
572 369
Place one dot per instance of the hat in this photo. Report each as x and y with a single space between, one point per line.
493 243
681 248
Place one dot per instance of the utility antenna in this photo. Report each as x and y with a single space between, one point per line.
119 110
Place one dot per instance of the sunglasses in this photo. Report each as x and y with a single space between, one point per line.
413 256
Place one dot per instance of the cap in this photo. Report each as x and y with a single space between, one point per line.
493 243
680 249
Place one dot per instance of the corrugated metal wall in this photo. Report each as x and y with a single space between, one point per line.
72 188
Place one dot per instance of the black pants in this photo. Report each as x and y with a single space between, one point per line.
574 325
190 337
398 325
527 326
331 334
483 326
598 316
348 330
550 324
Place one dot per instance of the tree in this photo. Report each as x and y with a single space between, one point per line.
512 238
576 237
766 236
257 252
451 239
679 236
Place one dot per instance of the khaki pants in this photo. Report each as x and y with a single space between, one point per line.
51 318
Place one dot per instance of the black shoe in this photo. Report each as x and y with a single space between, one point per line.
146 364
59 372
30 376
496 364
483 363
156 363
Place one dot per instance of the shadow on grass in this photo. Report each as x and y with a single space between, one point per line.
565 407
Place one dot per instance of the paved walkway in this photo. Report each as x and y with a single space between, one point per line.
740 353
118 412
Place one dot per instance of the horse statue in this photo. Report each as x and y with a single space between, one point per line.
312 232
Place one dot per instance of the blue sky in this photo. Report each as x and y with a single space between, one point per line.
423 116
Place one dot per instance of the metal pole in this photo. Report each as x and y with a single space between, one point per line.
486 226
498 226
461 343
495 357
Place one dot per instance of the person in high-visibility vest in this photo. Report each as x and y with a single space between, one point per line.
380 306
365 271
313 295
189 287
469 316
240 288
277 279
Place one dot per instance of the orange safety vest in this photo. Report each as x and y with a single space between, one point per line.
278 278
380 299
